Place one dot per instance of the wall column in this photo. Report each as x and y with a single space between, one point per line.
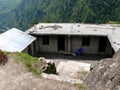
32 49
69 43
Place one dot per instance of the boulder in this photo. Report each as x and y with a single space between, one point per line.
45 66
3 58
49 68
73 69
105 75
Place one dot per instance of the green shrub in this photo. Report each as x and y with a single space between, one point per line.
81 86
27 60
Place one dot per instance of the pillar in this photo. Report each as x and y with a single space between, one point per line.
69 43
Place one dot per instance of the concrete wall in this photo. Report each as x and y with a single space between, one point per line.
25 50
72 43
31 49
76 42
35 46
108 48
52 47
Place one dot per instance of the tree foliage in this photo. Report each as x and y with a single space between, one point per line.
61 11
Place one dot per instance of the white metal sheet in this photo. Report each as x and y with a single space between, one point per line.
15 40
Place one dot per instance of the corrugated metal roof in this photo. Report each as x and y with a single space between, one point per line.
15 40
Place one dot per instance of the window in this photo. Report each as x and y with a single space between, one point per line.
85 41
45 40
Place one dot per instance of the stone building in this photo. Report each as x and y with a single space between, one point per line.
68 37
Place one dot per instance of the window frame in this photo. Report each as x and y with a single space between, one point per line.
45 40
86 41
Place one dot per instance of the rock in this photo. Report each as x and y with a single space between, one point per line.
62 79
45 66
105 75
41 59
73 69
49 68
3 58
93 65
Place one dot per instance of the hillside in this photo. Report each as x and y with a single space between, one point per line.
8 5
29 12
15 76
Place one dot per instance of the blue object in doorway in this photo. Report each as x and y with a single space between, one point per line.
79 51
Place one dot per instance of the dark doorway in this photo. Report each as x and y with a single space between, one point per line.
102 44
29 50
61 43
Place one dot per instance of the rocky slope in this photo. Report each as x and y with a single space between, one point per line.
105 75
14 76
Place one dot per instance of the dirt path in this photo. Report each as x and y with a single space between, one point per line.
14 76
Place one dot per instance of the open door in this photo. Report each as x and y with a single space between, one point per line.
102 44
61 43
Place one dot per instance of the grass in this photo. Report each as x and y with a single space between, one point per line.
33 64
82 76
113 22
84 73
27 60
80 86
